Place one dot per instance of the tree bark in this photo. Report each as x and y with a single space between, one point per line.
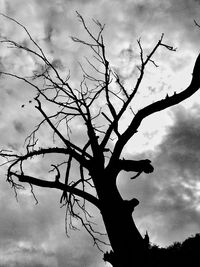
127 243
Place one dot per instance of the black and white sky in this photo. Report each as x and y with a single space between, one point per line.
34 235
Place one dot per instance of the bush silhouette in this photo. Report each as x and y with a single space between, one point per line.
177 254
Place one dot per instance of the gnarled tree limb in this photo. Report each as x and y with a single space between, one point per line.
57 185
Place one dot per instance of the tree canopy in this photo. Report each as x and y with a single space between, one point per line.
96 106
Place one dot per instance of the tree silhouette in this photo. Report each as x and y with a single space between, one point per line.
97 106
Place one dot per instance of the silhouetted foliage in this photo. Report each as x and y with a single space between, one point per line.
176 255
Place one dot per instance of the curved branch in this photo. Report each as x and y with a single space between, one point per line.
158 106
58 185
45 151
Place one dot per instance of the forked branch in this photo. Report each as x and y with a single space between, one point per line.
158 106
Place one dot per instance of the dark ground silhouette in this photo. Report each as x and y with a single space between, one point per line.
177 254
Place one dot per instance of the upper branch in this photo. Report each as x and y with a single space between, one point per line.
158 106
41 53
69 145
130 97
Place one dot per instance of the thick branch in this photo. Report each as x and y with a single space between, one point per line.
136 165
158 106
57 185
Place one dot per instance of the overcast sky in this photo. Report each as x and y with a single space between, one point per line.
34 235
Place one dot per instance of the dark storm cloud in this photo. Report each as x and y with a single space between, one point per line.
181 146
169 197
172 191
178 160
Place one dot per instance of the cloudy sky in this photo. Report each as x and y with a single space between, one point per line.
34 235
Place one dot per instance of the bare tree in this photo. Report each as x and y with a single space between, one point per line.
98 105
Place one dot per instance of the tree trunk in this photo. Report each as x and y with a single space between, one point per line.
126 241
